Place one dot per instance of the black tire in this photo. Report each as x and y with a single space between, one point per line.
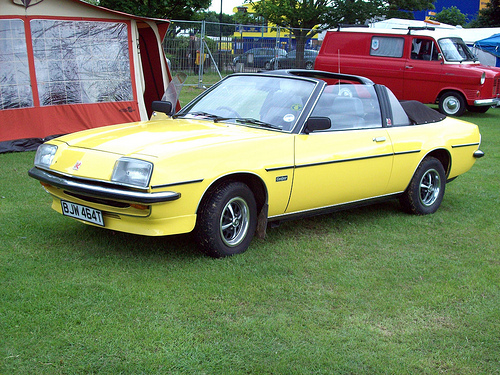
309 65
452 103
267 65
227 219
425 192
475 109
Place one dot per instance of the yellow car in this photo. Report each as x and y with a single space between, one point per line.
257 148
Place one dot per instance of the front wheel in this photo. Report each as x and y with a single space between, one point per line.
452 104
227 220
426 189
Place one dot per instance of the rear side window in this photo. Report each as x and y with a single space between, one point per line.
386 46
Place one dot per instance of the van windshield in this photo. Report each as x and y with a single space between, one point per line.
455 49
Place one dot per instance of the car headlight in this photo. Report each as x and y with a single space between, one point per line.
45 155
132 172
483 78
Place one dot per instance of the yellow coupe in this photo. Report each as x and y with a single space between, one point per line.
257 148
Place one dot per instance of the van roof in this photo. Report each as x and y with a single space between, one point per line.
435 33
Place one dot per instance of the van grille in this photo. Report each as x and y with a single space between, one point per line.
496 88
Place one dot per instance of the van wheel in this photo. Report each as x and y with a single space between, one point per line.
452 103
227 220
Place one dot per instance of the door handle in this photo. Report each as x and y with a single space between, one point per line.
409 67
379 139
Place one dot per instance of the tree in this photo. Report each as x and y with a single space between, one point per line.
302 16
489 16
405 8
451 16
178 9
212 18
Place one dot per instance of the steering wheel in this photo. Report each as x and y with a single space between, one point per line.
230 110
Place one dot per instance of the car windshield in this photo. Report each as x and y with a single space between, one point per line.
253 100
455 49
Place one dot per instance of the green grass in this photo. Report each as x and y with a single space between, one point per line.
366 291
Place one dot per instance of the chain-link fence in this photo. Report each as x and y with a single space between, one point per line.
202 49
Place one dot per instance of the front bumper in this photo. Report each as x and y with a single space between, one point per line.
101 191
487 102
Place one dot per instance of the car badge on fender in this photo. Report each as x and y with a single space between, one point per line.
77 165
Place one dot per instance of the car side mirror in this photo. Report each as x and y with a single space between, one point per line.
317 123
162 107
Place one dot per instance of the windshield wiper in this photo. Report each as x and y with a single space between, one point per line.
210 116
253 121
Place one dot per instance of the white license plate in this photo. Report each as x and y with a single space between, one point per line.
82 212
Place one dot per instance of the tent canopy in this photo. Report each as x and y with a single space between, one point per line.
490 45
67 65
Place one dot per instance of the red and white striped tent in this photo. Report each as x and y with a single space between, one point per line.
66 65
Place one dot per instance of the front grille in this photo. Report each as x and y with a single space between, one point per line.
106 202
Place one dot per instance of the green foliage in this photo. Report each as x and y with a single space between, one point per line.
176 9
489 16
451 16
212 20
405 8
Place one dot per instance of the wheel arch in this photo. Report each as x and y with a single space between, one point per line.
253 181
446 90
444 156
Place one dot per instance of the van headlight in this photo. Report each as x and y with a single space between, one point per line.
45 155
132 172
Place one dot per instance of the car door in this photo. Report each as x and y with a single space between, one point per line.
423 71
349 162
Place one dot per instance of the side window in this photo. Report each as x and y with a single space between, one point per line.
349 107
386 46
81 61
400 118
15 84
424 49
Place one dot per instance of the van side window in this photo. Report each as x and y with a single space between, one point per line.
387 46
424 49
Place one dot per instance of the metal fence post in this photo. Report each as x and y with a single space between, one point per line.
202 55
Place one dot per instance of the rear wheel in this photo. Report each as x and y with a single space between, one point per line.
452 103
426 190
227 220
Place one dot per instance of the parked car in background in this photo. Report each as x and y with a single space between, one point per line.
289 61
259 57
431 66
255 148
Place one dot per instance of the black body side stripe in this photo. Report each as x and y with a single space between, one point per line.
407 152
344 160
177 184
279 168
465 145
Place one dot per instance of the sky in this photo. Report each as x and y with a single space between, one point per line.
227 5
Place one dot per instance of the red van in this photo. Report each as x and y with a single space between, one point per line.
431 66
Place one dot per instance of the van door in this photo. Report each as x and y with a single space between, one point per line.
423 71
